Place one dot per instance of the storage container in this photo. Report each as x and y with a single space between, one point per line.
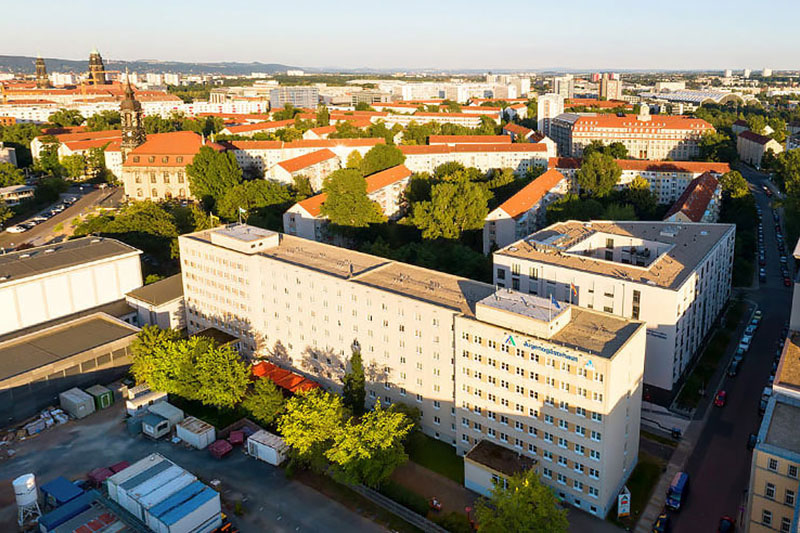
103 396
76 402
196 433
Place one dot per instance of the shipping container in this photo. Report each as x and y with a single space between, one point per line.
131 500
155 426
267 447
173 501
166 490
76 402
132 471
98 475
143 401
200 514
196 432
60 491
220 448
168 411
134 424
103 396
50 521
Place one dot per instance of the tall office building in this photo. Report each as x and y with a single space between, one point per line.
548 107
746 73
610 88
306 97
564 86
488 368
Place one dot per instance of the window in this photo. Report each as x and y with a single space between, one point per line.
766 517
786 525
594 454
579 449
792 471
562 443
788 498
596 436
491 432
547 455
501 273
548 437
597 417
594 474
562 479
577 485
580 411
579 468
594 493
637 297
769 491
773 465
547 473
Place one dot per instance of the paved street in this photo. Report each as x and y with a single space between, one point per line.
271 501
41 234
719 466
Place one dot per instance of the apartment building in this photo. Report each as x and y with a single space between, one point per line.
315 166
548 107
668 179
53 281
524 212
453 140
305 219
645 136
751 147
14 194
306 97
610 88
249 129
700 202
424 337
674 277
517 133
563 85
468 120
518 156
8 154
156 169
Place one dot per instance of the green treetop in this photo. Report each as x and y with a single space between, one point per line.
598 174
354 392
347 203
380 157
212 173
454 207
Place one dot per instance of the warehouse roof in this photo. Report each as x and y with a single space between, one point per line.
28 352
43 259
160 292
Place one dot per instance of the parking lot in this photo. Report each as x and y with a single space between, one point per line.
271 502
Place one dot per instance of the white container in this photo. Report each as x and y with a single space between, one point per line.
167 489
25 491
134 496
191 517
267 447
133 470
168 411
143 401
76 402
196 432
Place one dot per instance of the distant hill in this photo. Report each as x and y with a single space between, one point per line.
25 64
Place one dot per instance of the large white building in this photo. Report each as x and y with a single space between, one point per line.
553 382
548 106
49 282
675 277
518 156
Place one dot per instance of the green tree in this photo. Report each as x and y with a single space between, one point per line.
617 150
5 212
572 207
368 450
253 195
787 166
354 391
212 173
104 120
452 107
418 188
10 175
734 185
525 504
756 123
66 118
638 194
48 157
347 204
354 160
49 190
380 157
309 424
454 207
301 187
19 137
288 112
222 376
264 402
598 174
619 212
157 124
717 146
323 116
74 165
145 364
363 106
592 147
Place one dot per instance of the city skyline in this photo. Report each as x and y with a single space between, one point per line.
428 37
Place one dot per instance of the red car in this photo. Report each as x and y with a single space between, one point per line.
787 282
719 399
726 525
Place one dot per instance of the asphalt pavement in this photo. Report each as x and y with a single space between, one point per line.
719 465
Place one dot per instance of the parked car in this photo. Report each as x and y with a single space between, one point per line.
757 315
787 282
745 342
752 440
16 229
762 274
661 525
678 491
720 398
726 525
750 329
733 369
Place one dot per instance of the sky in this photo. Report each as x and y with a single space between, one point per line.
415 34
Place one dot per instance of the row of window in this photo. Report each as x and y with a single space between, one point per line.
165 177
766 519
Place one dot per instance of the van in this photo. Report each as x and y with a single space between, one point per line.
678 491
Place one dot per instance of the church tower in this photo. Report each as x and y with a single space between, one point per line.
132 123
97 71
42 81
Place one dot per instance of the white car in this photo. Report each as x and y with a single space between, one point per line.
15 229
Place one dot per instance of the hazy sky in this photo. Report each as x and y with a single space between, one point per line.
510 34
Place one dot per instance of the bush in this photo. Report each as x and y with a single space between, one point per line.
453 522
405 497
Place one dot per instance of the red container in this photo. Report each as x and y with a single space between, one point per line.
98 475
119 467
220 448
236 437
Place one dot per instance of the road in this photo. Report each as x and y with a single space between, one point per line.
719 466
42 233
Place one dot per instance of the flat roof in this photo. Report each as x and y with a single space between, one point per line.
28 352
595 332
782 425
499 458
529 305
244 232
217 335
160 292
690 243
43 259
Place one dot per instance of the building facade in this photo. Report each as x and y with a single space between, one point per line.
423 336
548 107
700 202
751 147
305 97
517 156
676 278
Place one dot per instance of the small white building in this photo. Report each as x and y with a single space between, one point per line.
160 303
752 147
14 194
487 465
700 202
267 447
168 412
196 432
315 166
524 212
76 402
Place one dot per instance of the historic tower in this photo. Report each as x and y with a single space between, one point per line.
132 123
42 81
97 71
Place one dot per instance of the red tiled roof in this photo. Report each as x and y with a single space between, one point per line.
323 130
375 182
694 167
755 137
695 198
260 126
564 162
64 130
285 379
238 116
302 143
87 135
307 160
468 139
460 148
166 147
593 102
451 115
77 146
531 193
516 129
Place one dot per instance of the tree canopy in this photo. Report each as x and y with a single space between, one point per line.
212 173
347 204
454 207
104 120
598 174
264 402
525 504
10 175
734 184
252 196
323 116
380 157
309 424
354 393
66 117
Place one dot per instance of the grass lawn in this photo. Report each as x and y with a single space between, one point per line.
219 418
436 455
658 438
641 484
